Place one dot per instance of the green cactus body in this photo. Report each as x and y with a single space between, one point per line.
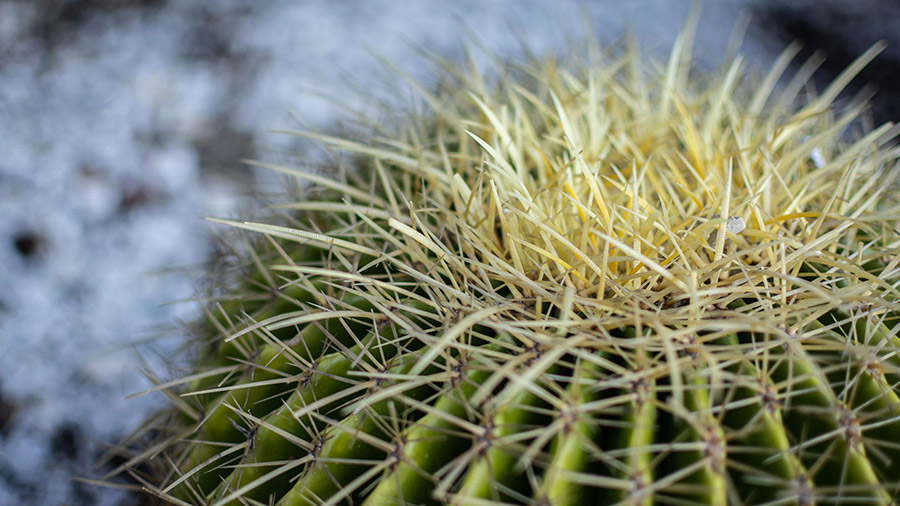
495 475
574 285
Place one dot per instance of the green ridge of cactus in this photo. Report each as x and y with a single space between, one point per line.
615 283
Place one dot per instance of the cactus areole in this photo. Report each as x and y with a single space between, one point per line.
616 283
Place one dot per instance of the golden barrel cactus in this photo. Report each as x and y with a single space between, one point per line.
616 283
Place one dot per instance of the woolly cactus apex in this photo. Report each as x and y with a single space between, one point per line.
609 284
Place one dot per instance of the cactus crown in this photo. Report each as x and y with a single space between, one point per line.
619 283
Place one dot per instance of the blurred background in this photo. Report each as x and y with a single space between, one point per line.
123 123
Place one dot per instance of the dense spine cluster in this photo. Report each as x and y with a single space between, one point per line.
621 283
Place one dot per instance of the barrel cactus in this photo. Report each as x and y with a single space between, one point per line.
616 283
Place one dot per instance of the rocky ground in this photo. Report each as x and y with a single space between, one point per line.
122 123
